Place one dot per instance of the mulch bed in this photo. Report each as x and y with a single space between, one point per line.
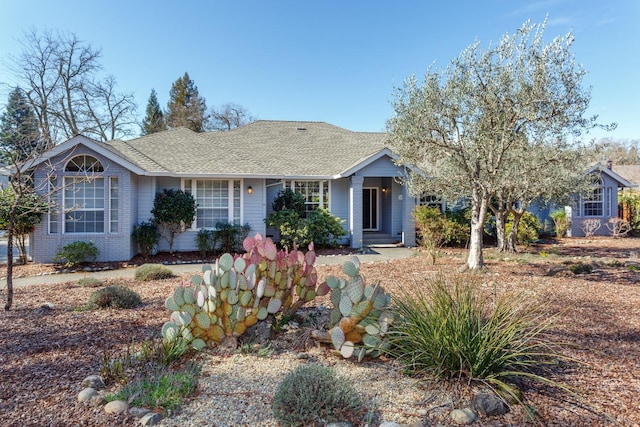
45 354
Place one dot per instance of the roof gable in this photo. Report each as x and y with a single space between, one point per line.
611 174
80 140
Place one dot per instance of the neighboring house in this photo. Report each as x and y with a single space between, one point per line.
600 204
629 172
234 177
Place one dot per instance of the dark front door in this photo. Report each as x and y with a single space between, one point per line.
370 209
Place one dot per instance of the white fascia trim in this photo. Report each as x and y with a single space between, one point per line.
366 162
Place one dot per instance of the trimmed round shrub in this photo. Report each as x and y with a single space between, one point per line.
115 297
90 282
314 393
147 272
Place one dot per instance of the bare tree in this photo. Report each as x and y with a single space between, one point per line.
229 116
61 78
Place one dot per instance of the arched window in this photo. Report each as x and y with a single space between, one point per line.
84 196
84 163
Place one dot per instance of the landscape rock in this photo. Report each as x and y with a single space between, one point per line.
151 419
340 424
489 404
87 394
463 416
93 381
116 407
390 424
97 401
138 412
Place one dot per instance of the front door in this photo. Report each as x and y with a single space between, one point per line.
370 209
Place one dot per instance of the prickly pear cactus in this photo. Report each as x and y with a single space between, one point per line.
237 292
361 315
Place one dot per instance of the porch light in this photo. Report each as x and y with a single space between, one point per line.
250 189
384 189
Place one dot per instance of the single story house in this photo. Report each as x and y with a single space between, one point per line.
600 204
234 177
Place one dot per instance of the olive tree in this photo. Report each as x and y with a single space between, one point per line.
467 129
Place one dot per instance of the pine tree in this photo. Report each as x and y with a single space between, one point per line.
19 132
186 107
154 120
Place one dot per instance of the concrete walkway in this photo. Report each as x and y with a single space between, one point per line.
375 255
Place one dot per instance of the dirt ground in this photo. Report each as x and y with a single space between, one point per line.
45 354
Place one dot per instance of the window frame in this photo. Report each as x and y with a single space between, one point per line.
234 206
324 196
593 202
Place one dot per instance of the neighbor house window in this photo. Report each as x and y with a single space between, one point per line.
84 197
217 200
593 201
315 193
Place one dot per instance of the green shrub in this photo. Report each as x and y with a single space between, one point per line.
455 331
290 225
165 390
528 228
205 241
172 211
323 228
90 282
580 268
114 297
630 209
75 253
289 200
436 229
146 236
560 222
314 393
230 236
147 272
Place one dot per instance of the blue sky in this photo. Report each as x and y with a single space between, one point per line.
333 61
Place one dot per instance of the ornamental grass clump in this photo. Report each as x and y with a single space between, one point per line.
458 331
315 394
148 272
114 297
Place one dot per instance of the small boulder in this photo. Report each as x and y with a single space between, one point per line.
463 416
340 424
87 394
151 419
93 381
116 407
390 424
489 404
138 412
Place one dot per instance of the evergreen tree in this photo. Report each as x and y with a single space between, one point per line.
186 107
154 120
19 132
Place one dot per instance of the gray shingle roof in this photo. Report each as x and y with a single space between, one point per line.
263 148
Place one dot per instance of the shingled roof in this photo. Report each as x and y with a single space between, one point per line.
262 149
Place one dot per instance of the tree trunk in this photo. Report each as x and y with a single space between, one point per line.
501 224
479 206
511 243
9 263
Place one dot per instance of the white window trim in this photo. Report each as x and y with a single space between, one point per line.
111 178
79 177
230 200
292 187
